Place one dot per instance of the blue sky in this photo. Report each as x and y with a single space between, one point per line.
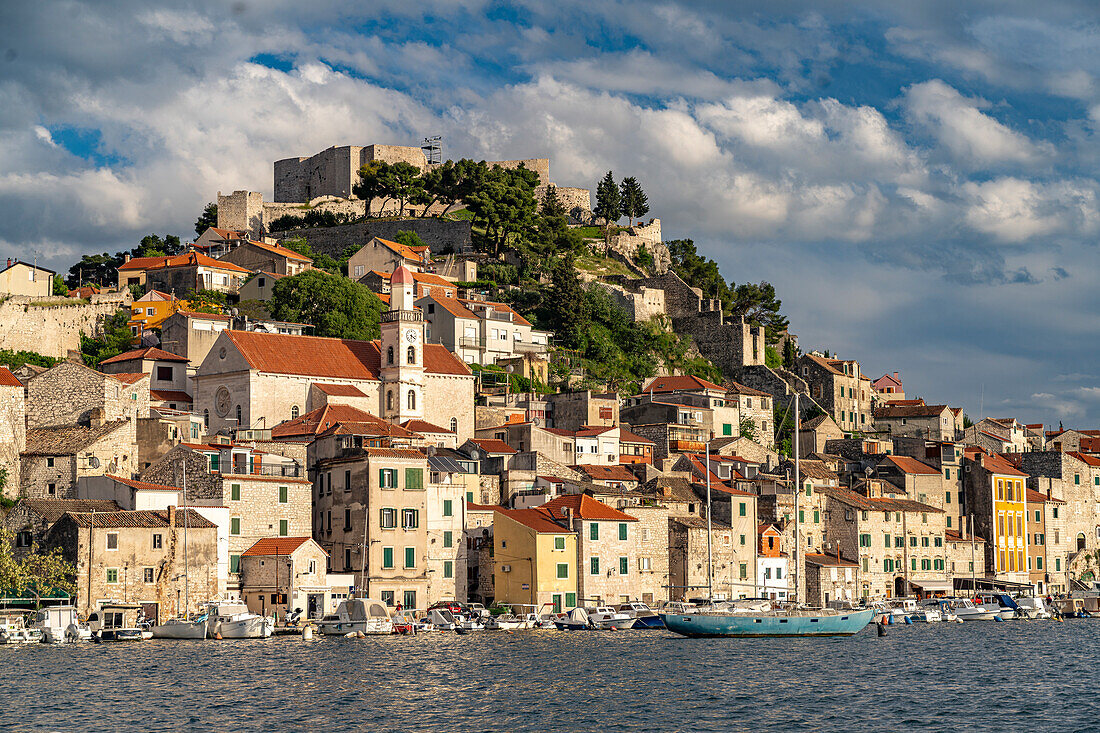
919 180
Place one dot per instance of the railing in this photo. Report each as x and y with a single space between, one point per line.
525 348
471 342
496 316
290 471
390 316
686 445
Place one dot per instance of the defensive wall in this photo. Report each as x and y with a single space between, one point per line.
442 235
51 326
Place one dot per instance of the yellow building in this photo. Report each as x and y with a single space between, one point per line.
150 310
999 494
534 559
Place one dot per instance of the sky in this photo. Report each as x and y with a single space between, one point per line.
918 179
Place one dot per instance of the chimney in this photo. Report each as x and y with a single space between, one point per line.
126 257
9 262
96 418
897 377
172 517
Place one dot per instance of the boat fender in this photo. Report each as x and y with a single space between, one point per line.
307 633
360 635
613 628
349 635
908 621
998 618
881 629
218 635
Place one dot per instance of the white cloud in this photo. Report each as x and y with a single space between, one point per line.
1015 210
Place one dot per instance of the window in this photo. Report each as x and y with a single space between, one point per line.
410 518
389 518
802 516
865 540
411 401
645 564
741 510
563 570
234 563
147 575
887 540
448 509
387 558
49 462
283 494
158 540
235 525
947 473
410 557
1038 516
947 497
817 516
414 478
939 542
347 520
412 355
235 492
912 541
743 571
239 416
409 597
112 575
622 530
448 539
389 399
727 429
559 543
623 566
866 515
164 373
593 566
389 355
448 569
454 424
112 540
593 531
387 478
742 540
284 527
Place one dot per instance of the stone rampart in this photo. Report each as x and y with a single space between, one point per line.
442 235
52 326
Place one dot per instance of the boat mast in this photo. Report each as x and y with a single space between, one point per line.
710 539
797 491
186 570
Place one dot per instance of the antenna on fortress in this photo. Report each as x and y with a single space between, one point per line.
433 149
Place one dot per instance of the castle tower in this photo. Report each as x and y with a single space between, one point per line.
402 393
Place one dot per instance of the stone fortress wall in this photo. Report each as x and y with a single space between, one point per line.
28 324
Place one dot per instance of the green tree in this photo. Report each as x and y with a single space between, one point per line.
452 182
206 301
698 271
16 359
37 572
100 269
643 258
59 286
504 204
772 359
335 306
208 218
153 245
790 354
399 181
551 204
320 261
409 239
748 428
112 339
634 204
608 199
759 306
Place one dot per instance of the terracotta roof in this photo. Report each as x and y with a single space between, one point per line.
534 519
998 465
452 306
551 479
53 509
317 421
7 379
227 233
952 536
1038 497
142 485
405 251
1085 458
900 403
593 432
470 506
315 356
680 384
66 440
828 365
625 436
911 465
887 379
584 506
151 518
424 278
275 546
394 453
281 251
738 388
891 412
821 560
877 503
128 377
170 395
141 263
150 353
606 473
187 259
423 426
498 307
339 390
493 445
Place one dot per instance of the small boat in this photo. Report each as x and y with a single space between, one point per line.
778 622
116 622
1031 607
606 617
1000 603
60 624
1073 608
404 622
575 620
965 609
507 622
181 628
357 615
14 631
442 620
644 616
235 621
471 624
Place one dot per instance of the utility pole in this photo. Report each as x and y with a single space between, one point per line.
710 541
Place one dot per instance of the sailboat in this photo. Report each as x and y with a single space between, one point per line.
182 627
751 619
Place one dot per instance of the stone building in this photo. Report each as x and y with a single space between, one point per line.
1074 478
264 257
1040 553
55 458
30 519
687 560
69 394
815 434
283 574
755 406
183 273
427 283
931 422
582 409
383 255
830 578
168 379
193 335
138 557
477 536
254 380
13 431
840 389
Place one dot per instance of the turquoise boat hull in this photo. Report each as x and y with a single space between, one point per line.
753 625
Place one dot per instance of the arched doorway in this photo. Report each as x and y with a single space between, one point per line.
1080 541
900 587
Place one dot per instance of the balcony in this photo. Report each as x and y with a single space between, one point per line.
521 347
292 470
686 446
494 315
472 342
390 316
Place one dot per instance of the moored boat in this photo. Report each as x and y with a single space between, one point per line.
965 609
116 622
355 616
60 624
778 622
181 628
606 617
575 620
14 631
644 616
235 621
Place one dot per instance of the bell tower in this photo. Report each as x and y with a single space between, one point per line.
402 395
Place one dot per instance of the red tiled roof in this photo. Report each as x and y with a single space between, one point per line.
534 519
319 420
952 536
269 546
423 426
281 251
483 507
315 356
151 518
424 278
453 306
170 395
905 403
1038 497
895 411
738 388
339 390
7 379
128 377
625 436
592 432
1085 458
680 384
876 503
409 253
911 465
584 506
150 353
228 233
187 259
606 473
493 445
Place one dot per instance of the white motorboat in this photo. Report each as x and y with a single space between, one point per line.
60 624
355 616
471 624
13 631
507 622
1031 607
181 628
965 609
1000 603
442 619
235 621
116 622
644 616
606 617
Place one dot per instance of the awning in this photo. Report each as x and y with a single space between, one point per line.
933 585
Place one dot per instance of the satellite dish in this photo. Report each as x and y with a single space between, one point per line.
536 422
869 471
474 454
509 368
94 462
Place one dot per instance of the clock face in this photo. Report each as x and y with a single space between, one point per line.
411 336
221 402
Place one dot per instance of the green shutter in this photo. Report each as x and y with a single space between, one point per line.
727 429
382 477
447 508
387 557
410 557
559 543
235 492
622 530
571 600
283 494
887 540
593 531
414 478
235 525
817 517
284 528
623 566
448 569
563 570
593 566
470 497
741 510
234 563
448 539
802 516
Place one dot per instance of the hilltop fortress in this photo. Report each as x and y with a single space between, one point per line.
325 181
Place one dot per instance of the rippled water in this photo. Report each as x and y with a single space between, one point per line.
1026 675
